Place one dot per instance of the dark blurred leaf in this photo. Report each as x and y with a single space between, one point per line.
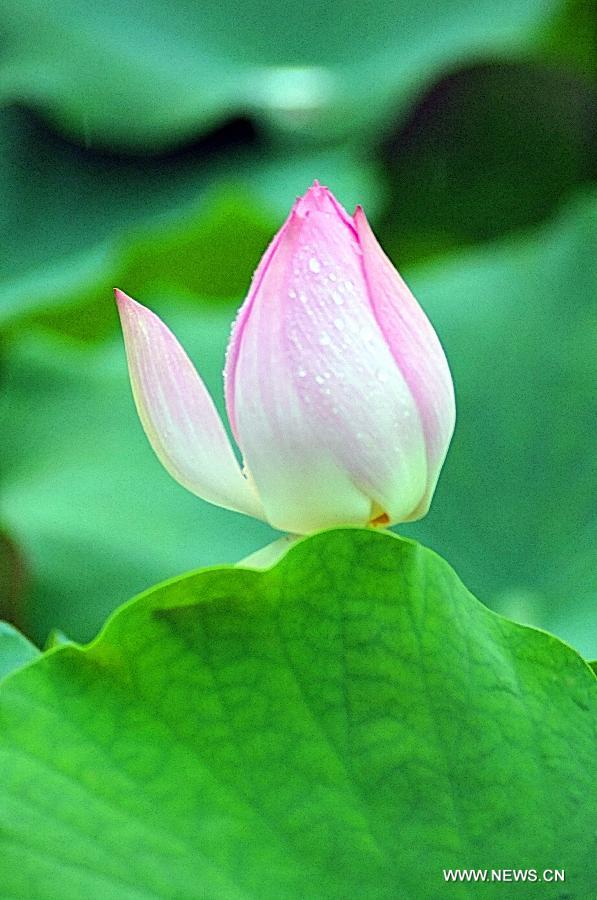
488 150
13 584
149 75
515 512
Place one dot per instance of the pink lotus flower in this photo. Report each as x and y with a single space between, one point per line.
338 392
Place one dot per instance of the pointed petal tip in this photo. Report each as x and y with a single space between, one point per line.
123 301
130 309
316 198
319 199
359 216
317 188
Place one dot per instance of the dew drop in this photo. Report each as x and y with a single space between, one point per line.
314 265
301 373
337 298
331 276
292 294
319 379
382 375
324 339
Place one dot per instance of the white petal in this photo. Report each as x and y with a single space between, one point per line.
178 414
417 351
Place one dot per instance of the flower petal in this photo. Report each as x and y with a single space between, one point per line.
317 197
239 324
416 349
325 419
178 414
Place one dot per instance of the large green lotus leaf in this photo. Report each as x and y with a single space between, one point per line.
15 649
514 510
73 223
490 149
133 76
349 723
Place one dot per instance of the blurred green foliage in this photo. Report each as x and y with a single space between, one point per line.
148 74
158 147
514 511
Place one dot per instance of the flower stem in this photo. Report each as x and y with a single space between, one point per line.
267 556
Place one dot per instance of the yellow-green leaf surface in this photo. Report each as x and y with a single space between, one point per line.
349 723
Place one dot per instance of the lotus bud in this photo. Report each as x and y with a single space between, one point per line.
337 389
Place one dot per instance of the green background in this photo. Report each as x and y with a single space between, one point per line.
158 147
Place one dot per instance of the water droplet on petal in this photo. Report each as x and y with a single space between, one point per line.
382 375
319 379
337 298
314 265
324 339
